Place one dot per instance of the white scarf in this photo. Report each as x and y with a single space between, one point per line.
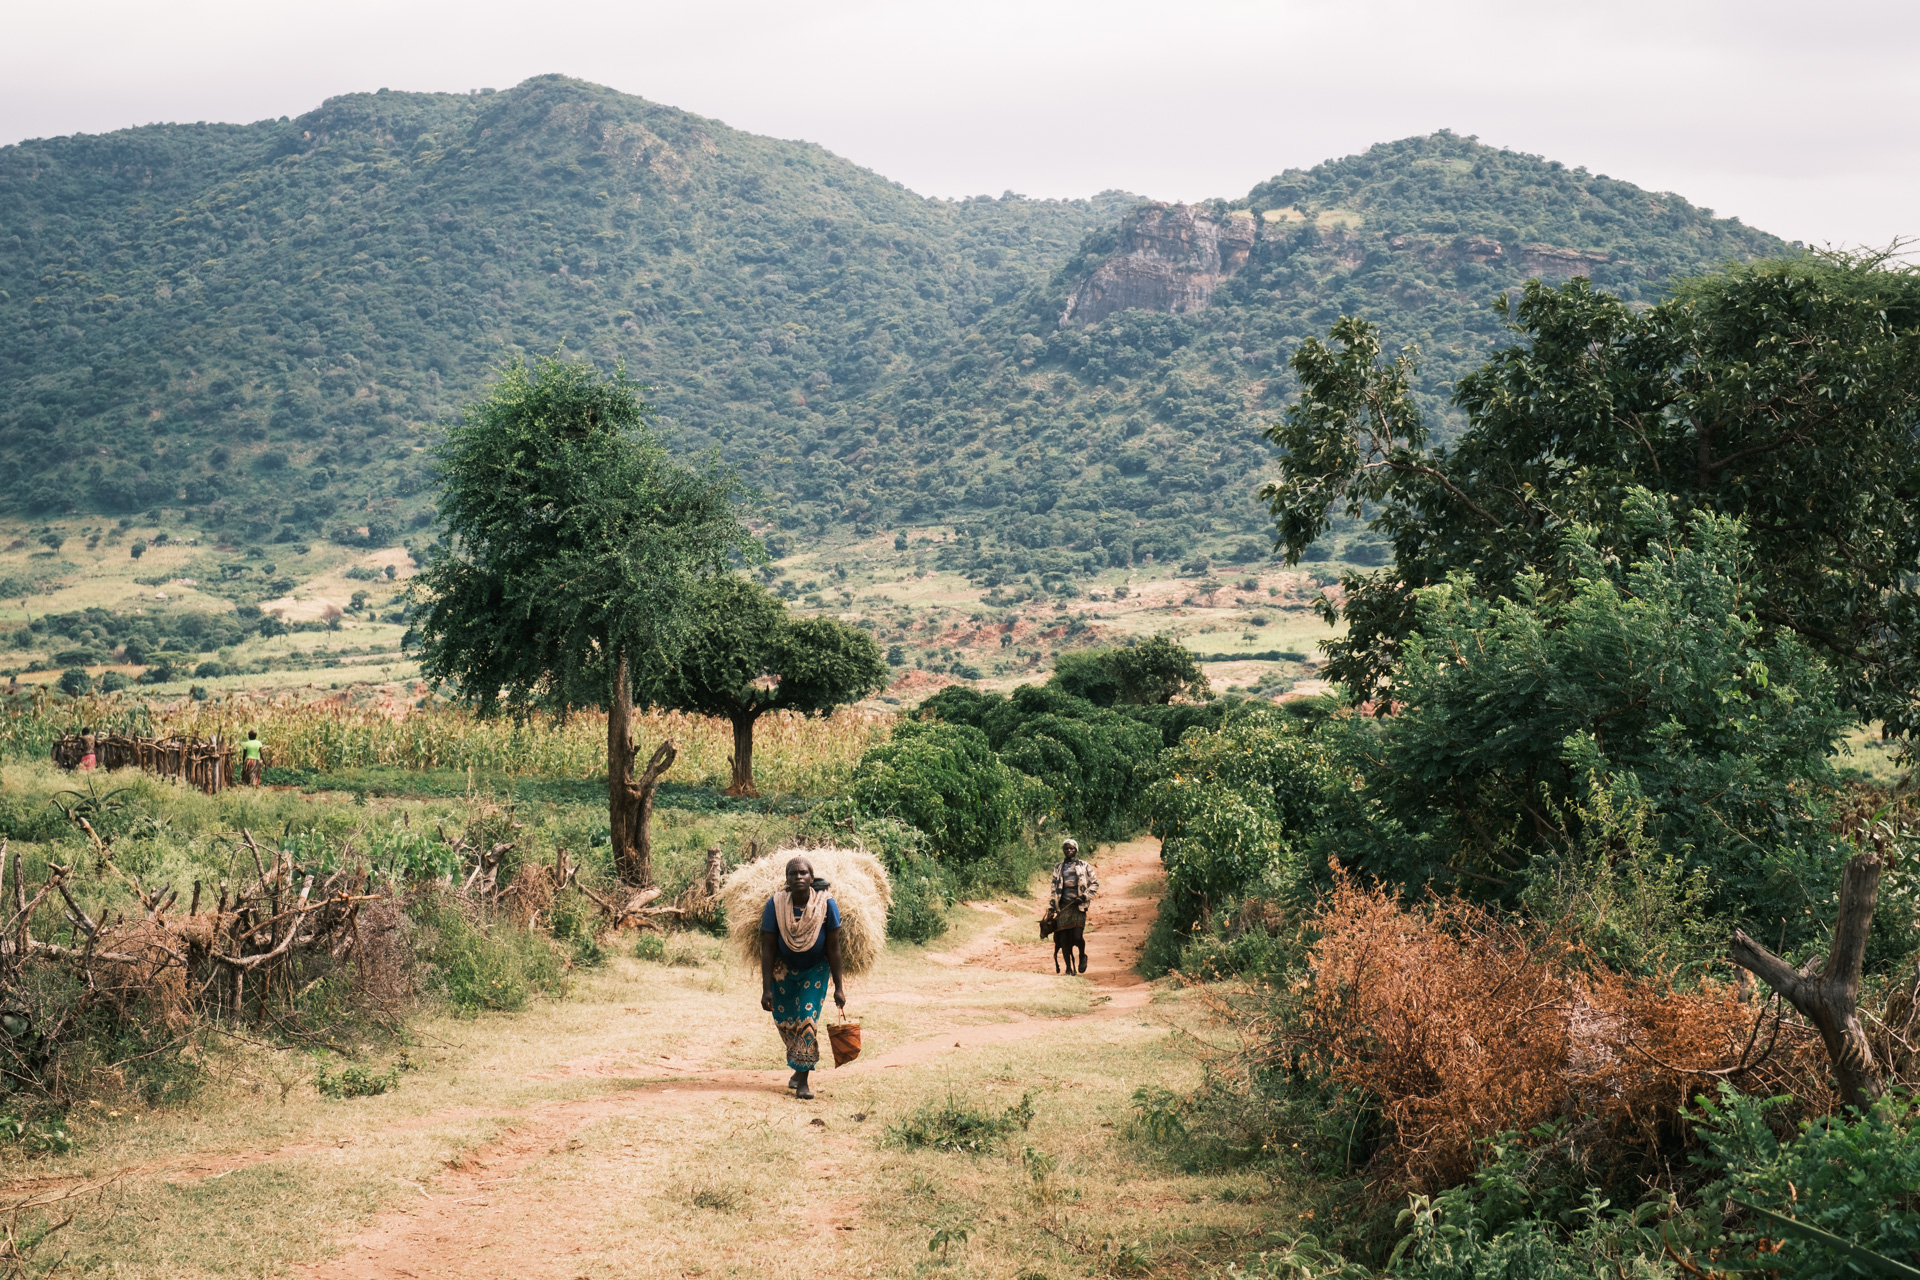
801 932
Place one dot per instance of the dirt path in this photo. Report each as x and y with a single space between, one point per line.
483 1218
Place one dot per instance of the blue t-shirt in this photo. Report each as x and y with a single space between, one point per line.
800 959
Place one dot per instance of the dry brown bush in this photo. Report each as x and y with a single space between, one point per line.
1459 1025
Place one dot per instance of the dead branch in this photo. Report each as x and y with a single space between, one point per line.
1829 998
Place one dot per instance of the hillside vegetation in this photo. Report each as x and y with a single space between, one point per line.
261 325
260 322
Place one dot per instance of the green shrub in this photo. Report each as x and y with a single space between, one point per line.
75 681
1232 808
571 920
475 964
1633 907
22 818
923 890
921 899
1856 1177
945 780
1443 1245
355 1082
1654 680
1089 758
954 1125
42 1135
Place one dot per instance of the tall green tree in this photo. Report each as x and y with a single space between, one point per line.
745 656
1784 393
574 545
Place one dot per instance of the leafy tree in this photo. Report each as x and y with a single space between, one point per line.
1155 672
575 545
1784 393
744 656
1151 673
138 549
1088 674
75 681
1652 687
53 540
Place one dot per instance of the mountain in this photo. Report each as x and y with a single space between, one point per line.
1114 412
261 325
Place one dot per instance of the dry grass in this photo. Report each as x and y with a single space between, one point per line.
859 885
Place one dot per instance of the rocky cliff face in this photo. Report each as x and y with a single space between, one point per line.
1172 257
1548 262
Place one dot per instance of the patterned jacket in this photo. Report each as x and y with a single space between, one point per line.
1074 885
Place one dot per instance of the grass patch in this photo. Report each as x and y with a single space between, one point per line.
959 1126
355 1081
477 962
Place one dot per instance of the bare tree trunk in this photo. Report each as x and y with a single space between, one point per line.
642 792
630 800
1829 998
622 805
742 784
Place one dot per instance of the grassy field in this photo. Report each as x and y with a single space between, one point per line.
937 625
793 754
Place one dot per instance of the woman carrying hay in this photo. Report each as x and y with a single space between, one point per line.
799 950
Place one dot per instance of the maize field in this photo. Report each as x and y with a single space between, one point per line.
793 754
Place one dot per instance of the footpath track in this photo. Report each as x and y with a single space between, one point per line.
522 1207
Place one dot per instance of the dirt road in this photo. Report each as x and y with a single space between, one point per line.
550 1197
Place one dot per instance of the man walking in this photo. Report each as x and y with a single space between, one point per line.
1074 885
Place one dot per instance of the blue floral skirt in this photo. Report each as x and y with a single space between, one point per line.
797 998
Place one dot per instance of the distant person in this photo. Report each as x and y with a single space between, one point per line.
250 758
88 742
799 951
1074 885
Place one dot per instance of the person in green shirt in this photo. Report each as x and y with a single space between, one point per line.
250 758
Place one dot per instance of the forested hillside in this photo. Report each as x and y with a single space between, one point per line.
265 320
1140 432
262 324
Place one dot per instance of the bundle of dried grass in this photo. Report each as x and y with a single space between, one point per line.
859 884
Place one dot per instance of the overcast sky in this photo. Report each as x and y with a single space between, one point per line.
1798 119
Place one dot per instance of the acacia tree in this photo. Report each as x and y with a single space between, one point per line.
573 545
1783 393
745 657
